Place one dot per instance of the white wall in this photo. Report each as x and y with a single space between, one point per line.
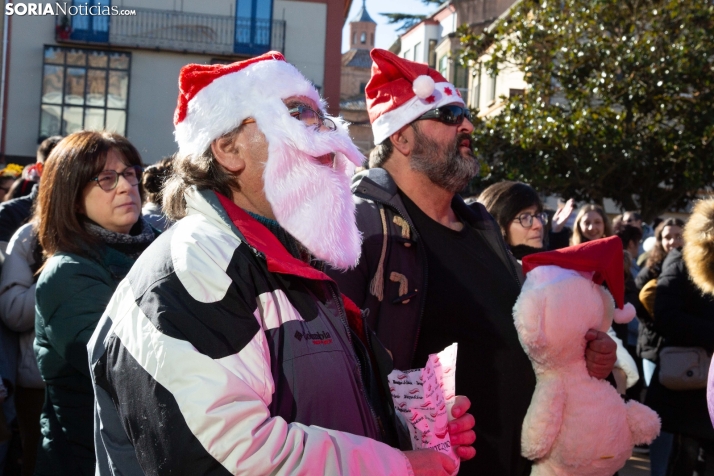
212 7
29 34
153 90
305 36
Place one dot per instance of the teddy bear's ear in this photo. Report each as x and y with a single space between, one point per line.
528 314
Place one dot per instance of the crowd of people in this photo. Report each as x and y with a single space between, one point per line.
237 306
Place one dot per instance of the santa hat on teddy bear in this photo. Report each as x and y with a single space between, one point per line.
215 99
601 260
400 91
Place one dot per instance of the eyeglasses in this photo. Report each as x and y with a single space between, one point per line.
450 114
526 219
108 179
310 117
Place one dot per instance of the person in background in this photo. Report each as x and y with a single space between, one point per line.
518 210
591 223
88 221
8 175
153 180
631 237
14 213
17 313
668 237
683 317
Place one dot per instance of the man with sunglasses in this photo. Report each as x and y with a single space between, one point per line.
433 270
227 350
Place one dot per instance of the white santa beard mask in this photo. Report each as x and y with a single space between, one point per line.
312 201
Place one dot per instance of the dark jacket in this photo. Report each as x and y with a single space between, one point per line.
649 341
683 317
392 245
396 318
71 295
15 213
222 352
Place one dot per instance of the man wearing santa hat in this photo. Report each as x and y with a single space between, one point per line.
226 350
435 271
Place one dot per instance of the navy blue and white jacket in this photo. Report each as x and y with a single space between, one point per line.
220 353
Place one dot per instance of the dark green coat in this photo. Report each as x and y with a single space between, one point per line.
72 294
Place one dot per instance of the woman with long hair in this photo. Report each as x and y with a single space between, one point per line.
591 223
88 222
668 236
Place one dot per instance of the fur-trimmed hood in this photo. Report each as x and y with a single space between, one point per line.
698 249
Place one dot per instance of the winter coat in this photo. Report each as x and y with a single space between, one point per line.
15 213
222 352
392 244
72 294
683 317
649 341
17 301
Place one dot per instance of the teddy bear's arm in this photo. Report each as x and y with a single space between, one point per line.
544 418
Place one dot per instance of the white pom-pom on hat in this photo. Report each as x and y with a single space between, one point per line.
423 86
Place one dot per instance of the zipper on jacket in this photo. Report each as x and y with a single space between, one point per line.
422 301
343 318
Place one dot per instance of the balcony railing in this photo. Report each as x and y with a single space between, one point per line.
181 31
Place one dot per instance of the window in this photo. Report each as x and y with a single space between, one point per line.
84 89
443 63
254 22
407 54
417 53
362 87
492 89
91 28
371 39
363 38
432 54
354 38
477 87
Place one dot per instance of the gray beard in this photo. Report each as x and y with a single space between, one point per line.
443 165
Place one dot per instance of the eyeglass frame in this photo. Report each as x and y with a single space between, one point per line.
437 113
324 120
138 169
542 216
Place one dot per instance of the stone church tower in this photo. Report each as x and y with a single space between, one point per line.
356 66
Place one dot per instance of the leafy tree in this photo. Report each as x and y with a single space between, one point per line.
408 20
620 101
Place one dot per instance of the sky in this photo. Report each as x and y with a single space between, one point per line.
386 34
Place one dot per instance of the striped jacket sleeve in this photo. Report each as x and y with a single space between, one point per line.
186 411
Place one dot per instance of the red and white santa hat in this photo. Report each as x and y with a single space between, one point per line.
215 99
601 257
400 91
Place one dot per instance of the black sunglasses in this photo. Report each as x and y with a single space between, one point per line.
450 114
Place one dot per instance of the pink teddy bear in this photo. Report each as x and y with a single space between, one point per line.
576 424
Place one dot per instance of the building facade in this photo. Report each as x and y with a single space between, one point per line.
355 74
64 72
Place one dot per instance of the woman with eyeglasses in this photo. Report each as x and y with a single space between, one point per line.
518 210
88 222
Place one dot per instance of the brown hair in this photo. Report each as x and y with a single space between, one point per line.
657 253
203 172
154 178
504 200
76 160
578 236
